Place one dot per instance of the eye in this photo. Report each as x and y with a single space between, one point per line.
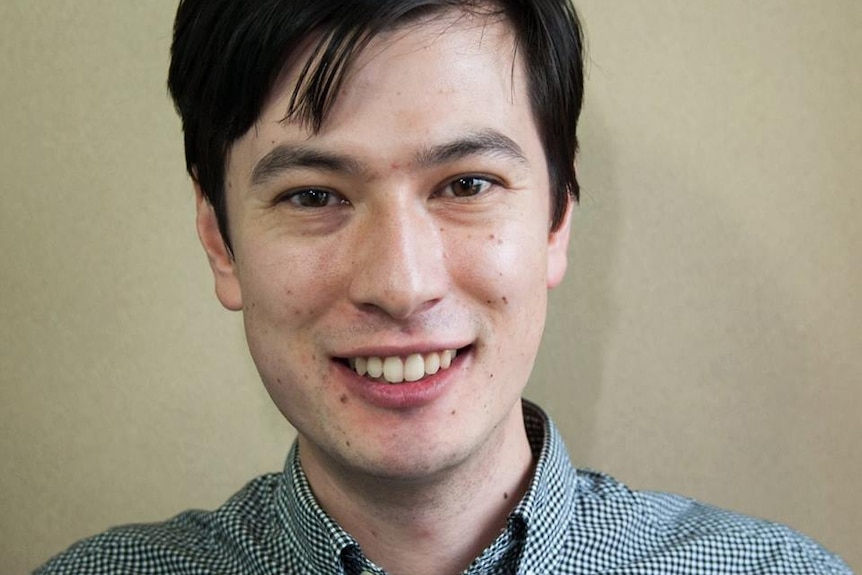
467 186
313 198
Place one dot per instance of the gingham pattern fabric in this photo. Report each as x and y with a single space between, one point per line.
568 522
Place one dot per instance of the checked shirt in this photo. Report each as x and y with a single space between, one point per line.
570 521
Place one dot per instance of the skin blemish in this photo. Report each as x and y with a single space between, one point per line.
505 495
453 412
343 398
505 300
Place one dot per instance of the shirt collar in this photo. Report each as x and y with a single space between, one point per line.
545 509
538 522
317 538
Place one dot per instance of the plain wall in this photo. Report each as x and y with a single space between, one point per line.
707 340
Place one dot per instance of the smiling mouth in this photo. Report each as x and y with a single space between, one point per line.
395 369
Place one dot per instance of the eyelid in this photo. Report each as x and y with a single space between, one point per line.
289 195
492 180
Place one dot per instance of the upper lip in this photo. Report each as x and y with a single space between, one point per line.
399 350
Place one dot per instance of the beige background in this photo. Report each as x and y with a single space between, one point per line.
707 340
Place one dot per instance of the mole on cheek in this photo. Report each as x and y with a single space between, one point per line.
343 398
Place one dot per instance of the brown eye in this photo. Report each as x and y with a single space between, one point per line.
315 199
468 186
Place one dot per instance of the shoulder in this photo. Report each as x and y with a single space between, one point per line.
657 531
193 542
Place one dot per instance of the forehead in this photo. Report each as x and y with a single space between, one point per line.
316 76
411 86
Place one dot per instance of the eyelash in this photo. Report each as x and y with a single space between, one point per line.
485 183
316 193
322 198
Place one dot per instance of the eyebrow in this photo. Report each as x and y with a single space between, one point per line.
286 157
481 143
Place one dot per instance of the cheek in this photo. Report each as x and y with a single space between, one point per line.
503 268
284 296
501 275
277 326
285 288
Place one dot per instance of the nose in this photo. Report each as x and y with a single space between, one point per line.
400 269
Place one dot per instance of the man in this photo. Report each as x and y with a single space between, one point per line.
384 190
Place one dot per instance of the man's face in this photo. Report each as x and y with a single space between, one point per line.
413 224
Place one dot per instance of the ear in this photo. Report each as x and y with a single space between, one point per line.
227 284
558 246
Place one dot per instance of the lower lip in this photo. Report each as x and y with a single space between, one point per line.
408 394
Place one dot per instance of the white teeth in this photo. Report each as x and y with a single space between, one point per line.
360 364
374 366
432 363
414 367
446 358
394 369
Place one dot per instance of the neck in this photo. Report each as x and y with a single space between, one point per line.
430 525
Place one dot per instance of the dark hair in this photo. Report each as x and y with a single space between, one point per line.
227 54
